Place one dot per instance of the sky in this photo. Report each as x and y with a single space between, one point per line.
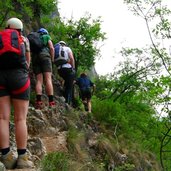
122 28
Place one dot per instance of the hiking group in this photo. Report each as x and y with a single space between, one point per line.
17 52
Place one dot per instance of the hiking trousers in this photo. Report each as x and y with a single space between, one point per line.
68 75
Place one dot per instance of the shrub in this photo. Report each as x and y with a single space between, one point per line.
56 161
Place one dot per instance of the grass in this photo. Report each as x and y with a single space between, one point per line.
56 161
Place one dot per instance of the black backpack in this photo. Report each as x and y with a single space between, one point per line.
36 43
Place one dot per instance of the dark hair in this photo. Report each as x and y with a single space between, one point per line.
83 74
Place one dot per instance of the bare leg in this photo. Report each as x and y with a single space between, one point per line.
5 109
85 104
39 83
20 114
48 83
89 105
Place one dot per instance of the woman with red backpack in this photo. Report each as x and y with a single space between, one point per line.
14 93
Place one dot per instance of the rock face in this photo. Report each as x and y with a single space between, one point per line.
47 130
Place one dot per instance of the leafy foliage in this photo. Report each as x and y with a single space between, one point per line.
82 36
55 162
143 79
30 10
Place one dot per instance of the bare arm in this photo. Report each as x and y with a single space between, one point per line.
94 87
27 53
28 58
72 61
51 50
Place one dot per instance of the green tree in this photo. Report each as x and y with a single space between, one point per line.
82 36
30 11
156 17
143 78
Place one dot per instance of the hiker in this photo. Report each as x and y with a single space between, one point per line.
42 68
14 93
66 71
87 87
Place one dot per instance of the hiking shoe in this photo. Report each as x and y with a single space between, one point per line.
2 167
52 104
39 105
24 162
9 160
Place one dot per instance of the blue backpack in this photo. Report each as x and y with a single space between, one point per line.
60 56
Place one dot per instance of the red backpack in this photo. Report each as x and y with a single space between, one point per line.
12 49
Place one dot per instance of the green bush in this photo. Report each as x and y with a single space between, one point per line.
133 120
125 167
56 161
